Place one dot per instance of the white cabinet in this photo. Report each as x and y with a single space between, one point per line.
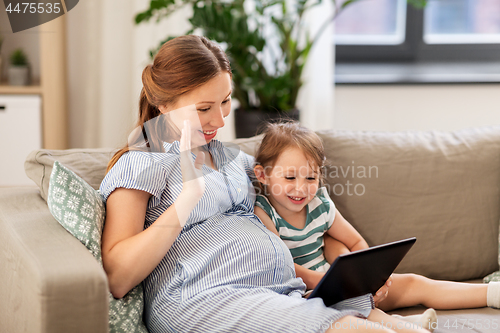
20 133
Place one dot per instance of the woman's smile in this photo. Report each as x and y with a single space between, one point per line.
209 135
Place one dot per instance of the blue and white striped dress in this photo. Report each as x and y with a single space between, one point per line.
225 272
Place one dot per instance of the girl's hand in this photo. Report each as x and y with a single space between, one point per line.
192 176
382 292
311 278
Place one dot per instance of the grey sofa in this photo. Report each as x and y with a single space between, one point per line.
441 187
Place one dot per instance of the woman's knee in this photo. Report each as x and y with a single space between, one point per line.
357 325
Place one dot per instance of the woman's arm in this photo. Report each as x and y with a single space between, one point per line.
130 253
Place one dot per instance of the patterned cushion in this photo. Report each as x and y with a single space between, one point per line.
80 210
492 277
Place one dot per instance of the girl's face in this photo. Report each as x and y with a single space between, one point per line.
293 181
206 107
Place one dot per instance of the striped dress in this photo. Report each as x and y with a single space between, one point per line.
225 272
306 245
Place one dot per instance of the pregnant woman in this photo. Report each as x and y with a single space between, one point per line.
180 216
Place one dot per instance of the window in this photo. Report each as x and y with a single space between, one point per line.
372 22
462 22
392 30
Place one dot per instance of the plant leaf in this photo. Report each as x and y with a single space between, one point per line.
419 4
347 3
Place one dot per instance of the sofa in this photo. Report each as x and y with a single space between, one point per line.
441 187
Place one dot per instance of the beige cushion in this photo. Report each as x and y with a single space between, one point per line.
441 187
249 145
90 164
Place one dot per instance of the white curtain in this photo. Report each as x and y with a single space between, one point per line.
106 55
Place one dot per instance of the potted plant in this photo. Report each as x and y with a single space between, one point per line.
267 46
18 69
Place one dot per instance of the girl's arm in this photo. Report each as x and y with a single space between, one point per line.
130 253
311 278
345 233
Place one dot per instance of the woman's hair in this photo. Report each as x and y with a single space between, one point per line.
181 65
280 136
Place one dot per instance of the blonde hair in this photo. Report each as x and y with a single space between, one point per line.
283 135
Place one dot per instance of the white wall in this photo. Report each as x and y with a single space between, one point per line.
416 107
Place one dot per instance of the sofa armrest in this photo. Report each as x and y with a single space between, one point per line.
49 281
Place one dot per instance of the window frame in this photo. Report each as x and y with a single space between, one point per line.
415 50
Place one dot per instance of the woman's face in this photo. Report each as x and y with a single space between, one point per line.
206 107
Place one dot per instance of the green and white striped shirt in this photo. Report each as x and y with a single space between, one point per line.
306 245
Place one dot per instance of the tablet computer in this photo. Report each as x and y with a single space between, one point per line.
361 272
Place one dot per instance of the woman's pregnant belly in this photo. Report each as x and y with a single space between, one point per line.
226 250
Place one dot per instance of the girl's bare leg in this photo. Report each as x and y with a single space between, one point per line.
411 289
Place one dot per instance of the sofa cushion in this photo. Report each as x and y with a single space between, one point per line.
442 187
80 210
90 164
249 145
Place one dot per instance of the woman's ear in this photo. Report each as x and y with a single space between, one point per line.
162 109
260 174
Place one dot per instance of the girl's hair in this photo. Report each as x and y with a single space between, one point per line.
181 65
280 136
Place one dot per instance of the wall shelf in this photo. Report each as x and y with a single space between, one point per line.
52 86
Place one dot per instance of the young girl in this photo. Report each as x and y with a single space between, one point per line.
294 206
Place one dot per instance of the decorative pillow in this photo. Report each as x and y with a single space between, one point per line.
80 210
89 164
492 277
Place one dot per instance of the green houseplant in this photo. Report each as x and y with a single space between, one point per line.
18 70
267 44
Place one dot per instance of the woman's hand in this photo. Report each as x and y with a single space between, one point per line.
382 292
192 176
